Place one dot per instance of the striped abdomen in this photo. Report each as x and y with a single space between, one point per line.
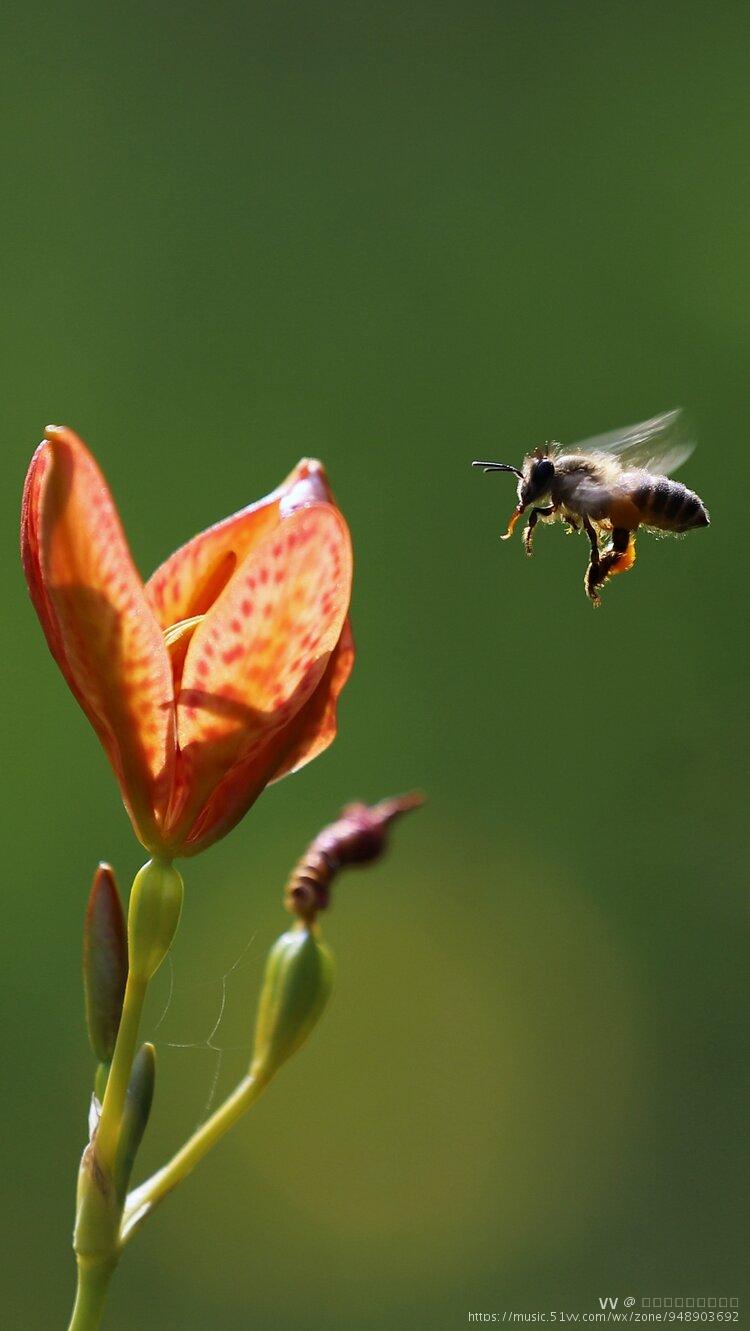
669 505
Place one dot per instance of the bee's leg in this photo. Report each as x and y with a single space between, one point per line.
591 580
528 531
590 531
617 559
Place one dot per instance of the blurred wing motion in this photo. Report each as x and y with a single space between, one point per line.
659 445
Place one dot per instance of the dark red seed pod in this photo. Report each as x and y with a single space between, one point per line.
105 962
358 836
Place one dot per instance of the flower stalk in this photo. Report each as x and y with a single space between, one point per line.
142 1201
119 1123
296 987
93 1283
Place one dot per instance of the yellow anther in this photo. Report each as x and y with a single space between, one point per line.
181 632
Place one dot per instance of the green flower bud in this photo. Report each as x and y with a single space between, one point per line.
105 962
153 916
296 988
136 1110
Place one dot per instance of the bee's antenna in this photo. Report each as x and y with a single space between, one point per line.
498 466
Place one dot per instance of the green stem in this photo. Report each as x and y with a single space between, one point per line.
93 1282
142 1200
119 1073
153 916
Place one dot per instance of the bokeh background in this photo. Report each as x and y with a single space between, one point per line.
400 236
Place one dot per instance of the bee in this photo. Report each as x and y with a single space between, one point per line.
608 487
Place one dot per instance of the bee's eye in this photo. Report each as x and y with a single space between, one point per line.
543 472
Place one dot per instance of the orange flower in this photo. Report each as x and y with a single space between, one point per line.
222 673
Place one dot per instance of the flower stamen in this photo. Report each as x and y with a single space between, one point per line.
177 639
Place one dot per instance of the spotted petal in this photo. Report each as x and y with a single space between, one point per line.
191 579
319 728
99 628
257 658
286 750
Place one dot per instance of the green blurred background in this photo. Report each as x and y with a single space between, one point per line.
400 236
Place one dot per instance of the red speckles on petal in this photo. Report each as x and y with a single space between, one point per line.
232 654
261 672
98 624
194 577
317 726
263 675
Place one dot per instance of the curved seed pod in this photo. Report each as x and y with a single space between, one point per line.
105 962
358 836
296 987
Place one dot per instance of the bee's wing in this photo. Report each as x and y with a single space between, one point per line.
659 445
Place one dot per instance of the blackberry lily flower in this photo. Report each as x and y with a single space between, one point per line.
221 673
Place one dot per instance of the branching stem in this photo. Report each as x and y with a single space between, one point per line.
142 1201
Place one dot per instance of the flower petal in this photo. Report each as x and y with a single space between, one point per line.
256 659
319 730
288 749
99 628
191 579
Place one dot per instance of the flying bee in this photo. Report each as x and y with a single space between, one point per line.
608 487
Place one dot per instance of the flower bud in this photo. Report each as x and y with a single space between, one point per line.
153 916
136 1110
105 962
296 987
357 837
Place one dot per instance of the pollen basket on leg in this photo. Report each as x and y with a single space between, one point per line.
259 653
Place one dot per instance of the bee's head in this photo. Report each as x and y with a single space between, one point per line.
534 481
